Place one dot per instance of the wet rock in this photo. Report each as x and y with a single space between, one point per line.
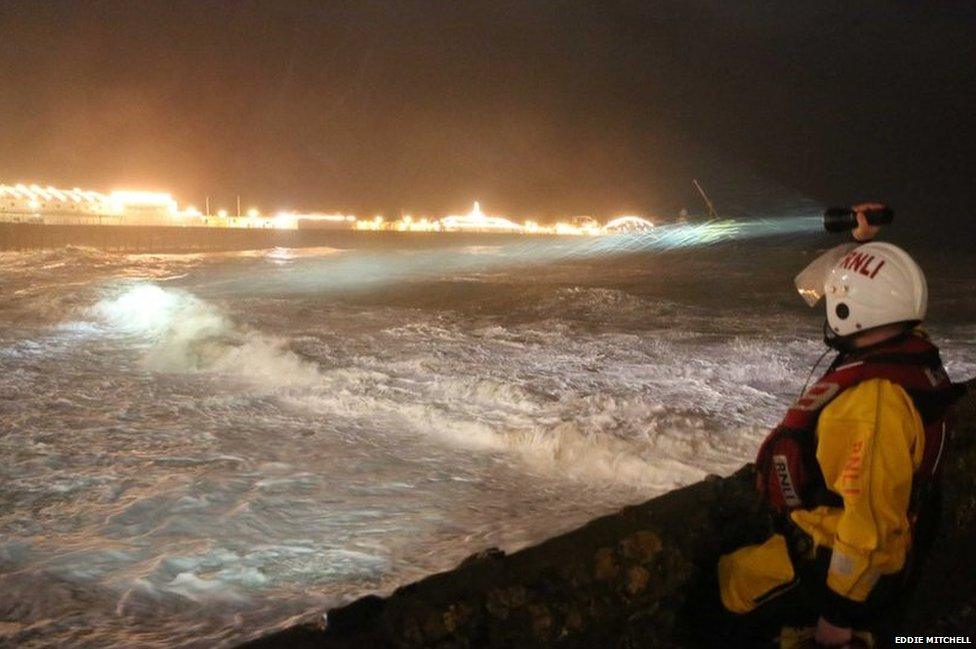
637 578
542 622
433 626
496 606
641 546
484 555
457 615
605 565
574 620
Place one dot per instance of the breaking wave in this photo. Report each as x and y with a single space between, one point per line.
590 431
186 334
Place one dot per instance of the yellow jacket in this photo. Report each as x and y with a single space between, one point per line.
870 441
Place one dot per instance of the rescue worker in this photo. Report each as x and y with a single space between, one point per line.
851 473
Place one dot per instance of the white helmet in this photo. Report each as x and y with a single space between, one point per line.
873 285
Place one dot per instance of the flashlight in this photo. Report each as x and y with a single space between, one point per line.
839 219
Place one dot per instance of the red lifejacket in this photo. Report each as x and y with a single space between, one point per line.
788 475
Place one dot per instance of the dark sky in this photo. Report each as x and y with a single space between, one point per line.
536 108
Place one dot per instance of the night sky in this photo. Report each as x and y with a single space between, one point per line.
534 108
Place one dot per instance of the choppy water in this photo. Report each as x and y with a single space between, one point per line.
196 449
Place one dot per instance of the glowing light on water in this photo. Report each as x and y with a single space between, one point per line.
144 308
674 236
359 270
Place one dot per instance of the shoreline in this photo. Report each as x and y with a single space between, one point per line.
159 239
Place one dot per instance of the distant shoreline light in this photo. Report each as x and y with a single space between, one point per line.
50 205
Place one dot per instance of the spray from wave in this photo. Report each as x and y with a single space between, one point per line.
187 334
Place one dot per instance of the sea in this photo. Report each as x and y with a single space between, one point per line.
197 449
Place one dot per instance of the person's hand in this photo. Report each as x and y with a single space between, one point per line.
864 231
828 635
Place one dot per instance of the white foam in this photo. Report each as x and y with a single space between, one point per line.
197 589
190 335
611 432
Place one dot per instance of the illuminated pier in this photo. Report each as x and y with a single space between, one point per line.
34 204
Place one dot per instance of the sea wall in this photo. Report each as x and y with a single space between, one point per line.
632 579
172 239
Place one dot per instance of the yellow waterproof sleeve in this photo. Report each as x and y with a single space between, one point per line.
752 574
869 443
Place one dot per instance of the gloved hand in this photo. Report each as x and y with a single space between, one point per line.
864 231
827 634
793 638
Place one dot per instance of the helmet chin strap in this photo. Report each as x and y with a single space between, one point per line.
813 369
843 344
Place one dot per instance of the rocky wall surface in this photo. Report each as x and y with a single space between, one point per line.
631 579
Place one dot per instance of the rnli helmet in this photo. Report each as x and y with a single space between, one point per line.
874 284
